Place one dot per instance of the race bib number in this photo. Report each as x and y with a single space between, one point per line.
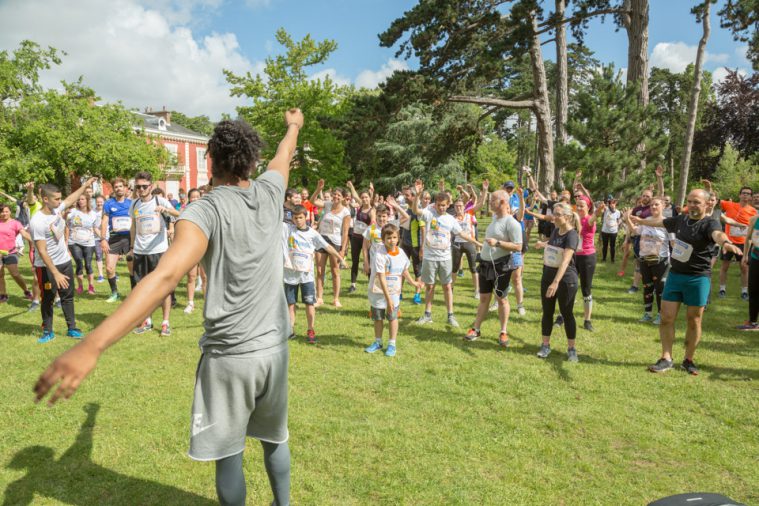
755 238
121 223
301 262
738 231
81 234
438 239
150 224
650 245
681 251
552 256
393 282
57 227
327 228
359 227
611 222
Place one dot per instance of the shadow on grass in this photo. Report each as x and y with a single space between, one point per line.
18 328
75 479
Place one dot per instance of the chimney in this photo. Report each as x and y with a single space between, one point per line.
166 115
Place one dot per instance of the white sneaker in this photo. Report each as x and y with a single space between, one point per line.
493 306
477 295
521 310
198 285
190 307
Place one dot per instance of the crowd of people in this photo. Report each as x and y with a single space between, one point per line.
416 237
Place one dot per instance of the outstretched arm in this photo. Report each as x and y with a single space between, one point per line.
483 196
71 199
286 148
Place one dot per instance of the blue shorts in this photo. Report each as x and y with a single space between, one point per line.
307 293
688 289
516 260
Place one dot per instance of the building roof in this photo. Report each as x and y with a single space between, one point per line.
157 125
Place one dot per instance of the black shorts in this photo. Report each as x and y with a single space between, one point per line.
10 259
328 241
494 276
730 256
145 264
118 244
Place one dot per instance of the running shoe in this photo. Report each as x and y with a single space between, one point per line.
632 290
493 306
722 294
452 321
661 365
3 298
311 337
587 325
559 321
417 298
748 326
28 295
144 327
390 351
375 346
657 320
165 329
292 336
472 335
646 318
189 308
424 319
75 333
101 279
572 355
477 295
114 297
91 290
47 336
460 273
33 306
352 289
79 290
521 310
545 350
690 367
621 274
744 295
503 339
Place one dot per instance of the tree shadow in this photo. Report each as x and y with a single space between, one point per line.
75 479
18 328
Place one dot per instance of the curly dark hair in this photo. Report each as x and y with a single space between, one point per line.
234 148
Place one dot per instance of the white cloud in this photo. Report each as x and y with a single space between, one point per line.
720 74
371 79
126 51
741 53
333 75
676 56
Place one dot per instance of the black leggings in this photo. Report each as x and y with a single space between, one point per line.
609 241
586 267
357 243
565 295
653 283
413 255
82 255
49 288
753 289
458 250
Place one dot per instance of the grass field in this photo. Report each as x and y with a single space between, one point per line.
444 422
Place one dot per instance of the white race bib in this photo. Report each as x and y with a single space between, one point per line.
438 239
149 224
755 238
738 231
650 245
121 223
300 261
393 282
359 227
81 234
682 251
552 256
57 227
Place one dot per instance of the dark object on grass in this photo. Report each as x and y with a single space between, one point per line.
696 499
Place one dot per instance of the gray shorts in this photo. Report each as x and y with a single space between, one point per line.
441 269
379 314
238 396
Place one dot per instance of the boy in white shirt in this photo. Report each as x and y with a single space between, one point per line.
389 267
301 242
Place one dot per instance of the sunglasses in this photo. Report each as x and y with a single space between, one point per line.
142 186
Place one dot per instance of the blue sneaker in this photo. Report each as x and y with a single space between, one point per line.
47 336
75 333
390 351
417 298
375 346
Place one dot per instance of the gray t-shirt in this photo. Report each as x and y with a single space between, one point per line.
50 228
246 310
150 237
505 229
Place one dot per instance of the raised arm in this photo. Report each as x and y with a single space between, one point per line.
352 189
71 199
627 214
286 148
482 197
31 198
403 215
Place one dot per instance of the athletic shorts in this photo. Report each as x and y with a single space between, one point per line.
11 259
145 264
516 260
494 277
690 290
436 269
729 256
328 241
307 293
379 314
118 244
238 396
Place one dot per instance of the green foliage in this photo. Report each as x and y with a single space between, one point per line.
495 161
320 153
741 17
734 171
201 124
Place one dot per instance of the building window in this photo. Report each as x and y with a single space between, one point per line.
200 154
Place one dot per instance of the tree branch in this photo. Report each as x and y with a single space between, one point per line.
494 102
549 25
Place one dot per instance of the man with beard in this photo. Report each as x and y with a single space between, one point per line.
119 223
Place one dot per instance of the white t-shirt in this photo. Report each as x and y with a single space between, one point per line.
654 241
438 230
467 226
373 234
150 235
331 225
300 246
611 221
393 267
50 228
82 227
506 229
99 214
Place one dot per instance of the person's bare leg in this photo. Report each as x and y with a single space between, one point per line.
723 273
16 275
429 294
321 264
291 311
335 268
310 315
669 311
503 312
482 309
448 296
693 332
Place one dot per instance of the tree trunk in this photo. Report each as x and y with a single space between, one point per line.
693 105
635 21
542 110
562 91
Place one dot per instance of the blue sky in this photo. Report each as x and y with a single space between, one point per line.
155 53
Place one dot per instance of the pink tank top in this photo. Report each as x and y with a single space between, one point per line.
587 236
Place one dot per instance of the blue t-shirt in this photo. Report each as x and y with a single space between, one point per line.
115 209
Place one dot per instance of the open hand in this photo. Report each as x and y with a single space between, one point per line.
69 369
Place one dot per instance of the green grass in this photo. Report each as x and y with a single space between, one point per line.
444 422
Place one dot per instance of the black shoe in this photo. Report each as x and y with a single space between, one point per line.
661 365
588 326
689 366
559 321
352 289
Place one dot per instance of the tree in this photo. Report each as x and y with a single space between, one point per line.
703 13
734 171
320 153
201 124
742 17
